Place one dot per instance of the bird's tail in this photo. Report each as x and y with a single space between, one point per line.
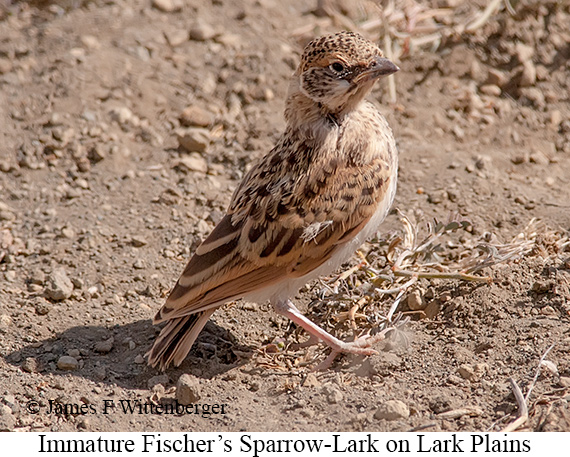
176 339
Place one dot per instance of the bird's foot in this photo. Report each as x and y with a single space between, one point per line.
361 345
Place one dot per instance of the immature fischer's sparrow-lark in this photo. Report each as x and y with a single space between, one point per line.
304 208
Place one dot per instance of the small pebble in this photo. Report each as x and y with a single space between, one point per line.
528 75
7 419
90 42
68 363
311 381
231 40
520 158
496 78
176 37
193 162
437 197
415 301
194 116
539 158
138 241
84 423
432 309
63 135
121 114
10 275
170 197
168 6
202 32
490 89
160 379
5 65
99 373
30 365
97 153
472 372
392 410
55 119
193 139
104 347
333 394
555 118
524 52
543 286
42 308
59 286
187 389
68 232
5 320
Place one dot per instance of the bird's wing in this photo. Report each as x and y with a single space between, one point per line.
277 229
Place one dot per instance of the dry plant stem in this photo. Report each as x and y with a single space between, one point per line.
396 16
537 373
347 273
399 288
457 413
522 401
510 8
395 305
439 275
523 409
352 313
434 38
480 21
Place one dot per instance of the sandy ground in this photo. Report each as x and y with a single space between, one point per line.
101 205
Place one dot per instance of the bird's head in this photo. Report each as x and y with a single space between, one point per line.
337 71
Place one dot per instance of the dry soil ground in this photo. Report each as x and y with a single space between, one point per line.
101 206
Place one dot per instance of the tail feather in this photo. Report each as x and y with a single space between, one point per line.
176 339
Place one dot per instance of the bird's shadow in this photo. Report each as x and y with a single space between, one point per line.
121 362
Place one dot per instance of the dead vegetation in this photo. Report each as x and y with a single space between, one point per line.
359 300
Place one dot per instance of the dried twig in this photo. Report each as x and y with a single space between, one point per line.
523 408
457 413
484 17
522 401
456 275
537 373
510 8
399 288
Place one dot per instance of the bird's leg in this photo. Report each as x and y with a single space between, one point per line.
359 346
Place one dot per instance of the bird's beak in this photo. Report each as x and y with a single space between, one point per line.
380 66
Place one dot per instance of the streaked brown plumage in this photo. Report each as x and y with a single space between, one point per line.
304 208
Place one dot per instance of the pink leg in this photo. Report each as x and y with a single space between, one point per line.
359 346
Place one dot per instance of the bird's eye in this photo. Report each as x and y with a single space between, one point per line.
337 67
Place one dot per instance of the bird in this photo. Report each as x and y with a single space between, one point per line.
304 208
